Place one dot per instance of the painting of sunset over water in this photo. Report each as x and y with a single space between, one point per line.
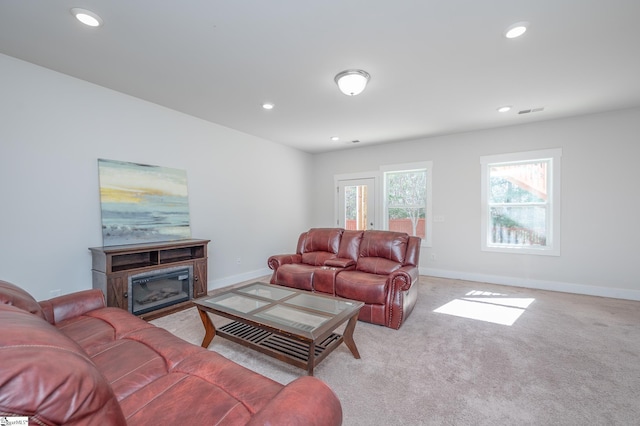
142 203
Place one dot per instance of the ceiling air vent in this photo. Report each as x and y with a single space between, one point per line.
527 111
355 141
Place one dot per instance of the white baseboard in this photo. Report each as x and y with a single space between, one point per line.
616 293
235 279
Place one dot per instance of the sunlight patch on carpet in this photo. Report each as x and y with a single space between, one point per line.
496 308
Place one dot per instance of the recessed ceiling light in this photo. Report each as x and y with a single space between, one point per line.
516 30
335 138
87 17
505 108
268 105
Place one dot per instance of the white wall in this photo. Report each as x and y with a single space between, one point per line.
252 197
600 202
246 194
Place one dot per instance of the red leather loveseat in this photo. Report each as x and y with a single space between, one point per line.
379 268
72 361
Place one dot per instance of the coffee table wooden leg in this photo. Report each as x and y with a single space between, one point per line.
311 360
209 328
348 336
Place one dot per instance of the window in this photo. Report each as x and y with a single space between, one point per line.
407 195
521 202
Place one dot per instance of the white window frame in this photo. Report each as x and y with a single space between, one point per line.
407 167
552 247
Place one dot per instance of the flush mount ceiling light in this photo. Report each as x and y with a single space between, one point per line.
268 105
335 138
505 108
352 82
87 17
516 30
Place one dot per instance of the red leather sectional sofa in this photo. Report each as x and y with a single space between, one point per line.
72 361
379 268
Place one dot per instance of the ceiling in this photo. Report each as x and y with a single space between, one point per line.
437 66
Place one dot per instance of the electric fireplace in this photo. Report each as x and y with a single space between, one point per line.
160 288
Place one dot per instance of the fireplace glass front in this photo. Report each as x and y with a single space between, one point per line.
157 289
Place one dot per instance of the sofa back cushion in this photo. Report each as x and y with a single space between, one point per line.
382 252
10 294
350 244
413 251
320 244
323 239
48 377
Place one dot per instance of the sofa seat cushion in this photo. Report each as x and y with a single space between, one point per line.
170 400
128 366
154 376
87 332
317 258
140 354
377 265
358 285
296 275
48 377
97 328
251 389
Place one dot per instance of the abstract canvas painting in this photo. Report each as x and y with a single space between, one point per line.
142 203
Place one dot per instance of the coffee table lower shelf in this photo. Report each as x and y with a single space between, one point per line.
291 351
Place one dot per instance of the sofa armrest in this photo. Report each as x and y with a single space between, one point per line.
340 262
402 296
315 405
278 260
72 305
403 278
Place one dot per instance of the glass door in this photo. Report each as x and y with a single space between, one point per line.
356 204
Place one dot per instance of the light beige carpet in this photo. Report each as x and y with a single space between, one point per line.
565 360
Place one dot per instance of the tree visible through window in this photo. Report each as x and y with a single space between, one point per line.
406 200
406 195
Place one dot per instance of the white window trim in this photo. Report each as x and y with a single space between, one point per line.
553 239
428 165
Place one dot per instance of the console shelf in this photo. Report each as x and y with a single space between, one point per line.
112 266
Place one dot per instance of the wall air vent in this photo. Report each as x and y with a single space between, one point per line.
527 111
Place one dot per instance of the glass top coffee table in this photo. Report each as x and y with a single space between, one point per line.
294 326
